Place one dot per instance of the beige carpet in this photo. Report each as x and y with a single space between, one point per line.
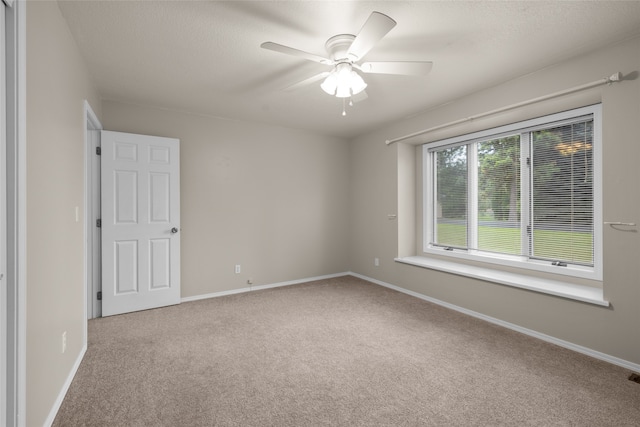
339 352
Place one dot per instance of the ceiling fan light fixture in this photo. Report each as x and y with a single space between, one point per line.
345 53
343 82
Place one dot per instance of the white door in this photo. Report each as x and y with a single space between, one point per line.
140 222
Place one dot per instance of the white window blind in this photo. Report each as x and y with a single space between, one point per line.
499 195
452 197
562 193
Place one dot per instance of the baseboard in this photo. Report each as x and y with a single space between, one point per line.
548 338
63 392
261 287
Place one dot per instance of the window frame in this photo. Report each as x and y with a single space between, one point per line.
523 128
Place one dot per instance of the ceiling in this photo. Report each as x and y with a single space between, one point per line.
204 57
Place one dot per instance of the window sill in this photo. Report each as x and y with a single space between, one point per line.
561 289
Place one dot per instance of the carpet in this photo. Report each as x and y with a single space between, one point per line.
336 352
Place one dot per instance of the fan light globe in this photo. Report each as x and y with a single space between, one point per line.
343 92
330 84
357 83
343 82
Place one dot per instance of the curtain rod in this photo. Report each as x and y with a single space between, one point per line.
616 77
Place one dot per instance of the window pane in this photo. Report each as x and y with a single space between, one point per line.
451 192
499 195
562 193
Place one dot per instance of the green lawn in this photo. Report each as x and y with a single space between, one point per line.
562 245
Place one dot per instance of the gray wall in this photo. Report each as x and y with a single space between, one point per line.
271 199
57 85
379 186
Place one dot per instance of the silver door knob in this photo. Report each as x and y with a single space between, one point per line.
174 230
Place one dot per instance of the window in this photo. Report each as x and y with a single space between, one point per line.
526 194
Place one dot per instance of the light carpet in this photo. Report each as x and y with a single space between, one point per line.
337 352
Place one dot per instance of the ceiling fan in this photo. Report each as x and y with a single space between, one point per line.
345 52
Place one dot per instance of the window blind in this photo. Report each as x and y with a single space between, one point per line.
562 194
451 189
499 195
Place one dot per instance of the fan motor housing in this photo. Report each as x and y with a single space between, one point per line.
338 46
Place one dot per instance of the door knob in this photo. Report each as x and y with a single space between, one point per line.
174 230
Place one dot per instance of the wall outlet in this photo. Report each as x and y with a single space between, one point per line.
64 341
249 281
376 262
238 269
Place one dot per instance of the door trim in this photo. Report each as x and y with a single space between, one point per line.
16 193
4 344
92 243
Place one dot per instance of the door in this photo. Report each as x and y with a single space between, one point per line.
140 222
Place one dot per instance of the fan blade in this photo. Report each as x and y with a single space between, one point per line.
358 97
295 52
402 68
376 27
307 82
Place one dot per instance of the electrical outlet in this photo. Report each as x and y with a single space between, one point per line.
249 281
64 341
238 269
376 262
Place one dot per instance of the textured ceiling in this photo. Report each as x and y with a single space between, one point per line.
205 57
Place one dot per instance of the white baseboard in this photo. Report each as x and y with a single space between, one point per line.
562 343
65 388
260 287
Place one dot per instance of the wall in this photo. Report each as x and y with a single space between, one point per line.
57 84
376 176
271 199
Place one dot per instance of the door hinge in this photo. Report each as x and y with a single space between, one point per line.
99 296
98 223
98 151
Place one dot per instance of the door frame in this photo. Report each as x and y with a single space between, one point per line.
16 233
4 345
92 254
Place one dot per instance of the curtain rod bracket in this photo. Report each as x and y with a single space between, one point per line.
615 77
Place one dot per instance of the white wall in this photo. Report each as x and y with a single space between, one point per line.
57 84
271 199
375 179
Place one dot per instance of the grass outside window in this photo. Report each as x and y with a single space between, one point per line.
548 244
